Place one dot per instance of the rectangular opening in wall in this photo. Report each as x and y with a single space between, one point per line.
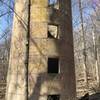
53 97
53 65
53 3
53 31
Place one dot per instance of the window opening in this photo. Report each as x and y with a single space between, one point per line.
53 97
53 4
53 65
53 31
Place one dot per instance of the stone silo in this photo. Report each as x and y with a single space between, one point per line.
51 72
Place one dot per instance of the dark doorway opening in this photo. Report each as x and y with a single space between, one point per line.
53 97
53 65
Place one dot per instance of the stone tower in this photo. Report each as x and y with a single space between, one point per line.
51 72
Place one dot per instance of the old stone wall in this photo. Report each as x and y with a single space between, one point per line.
41 47
16 83
41 83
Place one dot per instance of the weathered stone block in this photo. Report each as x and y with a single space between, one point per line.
39 3
39 14
37 64
52 47
38 47
57 47
38 30
51 87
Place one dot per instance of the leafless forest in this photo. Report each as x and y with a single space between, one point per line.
86 34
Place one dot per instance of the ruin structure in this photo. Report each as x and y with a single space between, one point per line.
42 41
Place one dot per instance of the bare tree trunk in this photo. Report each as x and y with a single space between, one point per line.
96 58
84 45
